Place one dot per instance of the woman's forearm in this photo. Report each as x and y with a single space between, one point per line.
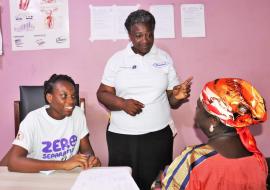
110 101
31 165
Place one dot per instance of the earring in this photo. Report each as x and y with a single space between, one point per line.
211 128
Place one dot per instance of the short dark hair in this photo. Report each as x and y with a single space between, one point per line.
140 16
49 84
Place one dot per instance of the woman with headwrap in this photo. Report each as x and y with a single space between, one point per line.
230 159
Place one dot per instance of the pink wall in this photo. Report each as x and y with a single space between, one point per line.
237 45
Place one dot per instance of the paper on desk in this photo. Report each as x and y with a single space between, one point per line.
105 178
47 172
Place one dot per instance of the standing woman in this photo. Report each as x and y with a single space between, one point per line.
139 86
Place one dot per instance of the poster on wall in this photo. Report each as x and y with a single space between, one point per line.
1 43
39 24
1 40
164 16
107 22
192 20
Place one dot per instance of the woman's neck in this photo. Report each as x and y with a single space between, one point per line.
54 114
228 145
222 136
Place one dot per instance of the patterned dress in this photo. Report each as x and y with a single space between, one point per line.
202 168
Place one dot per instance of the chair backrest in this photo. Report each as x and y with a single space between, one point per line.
31 98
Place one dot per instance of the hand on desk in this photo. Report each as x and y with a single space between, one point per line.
81 160
94 162
78 160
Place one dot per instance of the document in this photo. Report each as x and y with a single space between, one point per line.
113 178
102 22
1 43
107 22
164 16
192 20
47 172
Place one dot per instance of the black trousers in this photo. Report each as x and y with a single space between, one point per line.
146 154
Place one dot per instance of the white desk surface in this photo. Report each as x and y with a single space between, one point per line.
58 180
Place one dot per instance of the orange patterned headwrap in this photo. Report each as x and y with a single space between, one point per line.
237 104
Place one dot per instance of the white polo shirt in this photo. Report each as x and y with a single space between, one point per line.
145 79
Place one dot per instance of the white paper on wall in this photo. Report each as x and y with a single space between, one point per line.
1 43
192 20
107 22
164 16
1 40
42 24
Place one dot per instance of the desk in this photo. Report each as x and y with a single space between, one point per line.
58 180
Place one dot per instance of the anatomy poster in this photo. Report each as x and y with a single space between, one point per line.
39 24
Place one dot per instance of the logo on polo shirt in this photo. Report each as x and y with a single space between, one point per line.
129 67
160 65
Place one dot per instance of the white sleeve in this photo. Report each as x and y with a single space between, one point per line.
110 71
83 129
172 74
25 136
